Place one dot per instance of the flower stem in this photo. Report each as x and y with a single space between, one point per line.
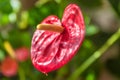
95 56
21 74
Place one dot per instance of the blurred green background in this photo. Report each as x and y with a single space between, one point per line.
18 20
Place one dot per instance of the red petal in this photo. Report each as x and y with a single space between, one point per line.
51 50
45 46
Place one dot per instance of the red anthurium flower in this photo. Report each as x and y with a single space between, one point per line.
22 53
57 41
9 67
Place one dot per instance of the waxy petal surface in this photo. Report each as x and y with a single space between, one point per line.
51 50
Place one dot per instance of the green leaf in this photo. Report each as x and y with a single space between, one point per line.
26 39
116 5
4 20
2 55
58 1
91 30
90 76
87 44
23 24
87 19
5 6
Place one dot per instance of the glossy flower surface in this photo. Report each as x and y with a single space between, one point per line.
51 50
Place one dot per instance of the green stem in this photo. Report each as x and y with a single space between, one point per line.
21 74
95 56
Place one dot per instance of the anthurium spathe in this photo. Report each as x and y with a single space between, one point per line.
56 41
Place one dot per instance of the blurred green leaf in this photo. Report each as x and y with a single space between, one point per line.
90 76
87 19
23 23
38 13
14 39
86 3
91 30
87 44
41 2
26 39
5 7
12 17
15 4
62 72
116 5
58 1
4 20
2 55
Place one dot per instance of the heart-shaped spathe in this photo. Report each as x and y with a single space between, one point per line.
51 50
